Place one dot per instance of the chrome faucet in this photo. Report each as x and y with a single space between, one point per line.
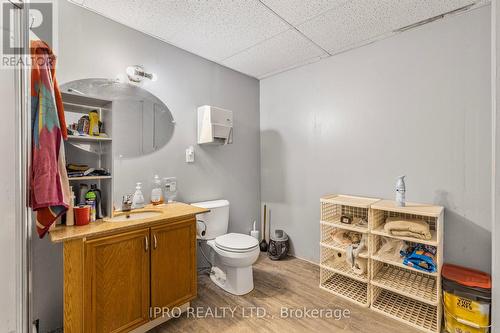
127 203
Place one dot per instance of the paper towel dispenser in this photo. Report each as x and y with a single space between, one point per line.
215 125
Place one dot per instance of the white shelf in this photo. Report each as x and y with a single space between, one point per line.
88 138
381 231
349 200
391 288
406 310
331 244
407 283
345 287
89 178
351 227
342 267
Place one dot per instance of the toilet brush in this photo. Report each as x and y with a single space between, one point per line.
263 243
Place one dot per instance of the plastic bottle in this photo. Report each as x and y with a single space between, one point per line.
138 199
70 217
156 192
401 191
170 188
90 200
98 201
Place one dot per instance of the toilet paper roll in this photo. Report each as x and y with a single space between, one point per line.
360 265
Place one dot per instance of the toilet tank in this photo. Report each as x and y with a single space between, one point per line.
215 222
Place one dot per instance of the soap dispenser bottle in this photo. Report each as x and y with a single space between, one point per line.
156 192
138 199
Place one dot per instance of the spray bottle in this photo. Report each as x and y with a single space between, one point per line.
401 191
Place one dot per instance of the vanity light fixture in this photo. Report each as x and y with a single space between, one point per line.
137 74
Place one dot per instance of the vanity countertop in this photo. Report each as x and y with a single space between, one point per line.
172 211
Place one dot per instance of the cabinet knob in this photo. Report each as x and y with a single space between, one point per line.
146 243
155 242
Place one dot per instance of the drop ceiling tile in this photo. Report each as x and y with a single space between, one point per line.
361 20
298 11
279 53
223 28
159 18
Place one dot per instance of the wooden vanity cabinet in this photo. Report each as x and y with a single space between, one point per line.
110 282
173 264
117 281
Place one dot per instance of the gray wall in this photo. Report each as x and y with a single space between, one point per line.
93 46
415 104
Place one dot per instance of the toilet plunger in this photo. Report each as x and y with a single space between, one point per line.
263 243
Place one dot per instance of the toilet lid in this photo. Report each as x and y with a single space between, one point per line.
236 242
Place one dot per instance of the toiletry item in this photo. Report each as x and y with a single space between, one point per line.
94 123
138 199
82 215
170 188
90 200
83 125
98 201
70 217
254 232
401 191
81 197
156 192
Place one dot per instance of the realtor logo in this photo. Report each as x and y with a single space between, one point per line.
41 24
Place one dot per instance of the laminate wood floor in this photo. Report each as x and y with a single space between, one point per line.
289 284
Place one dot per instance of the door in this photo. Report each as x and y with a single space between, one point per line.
173 263
117 282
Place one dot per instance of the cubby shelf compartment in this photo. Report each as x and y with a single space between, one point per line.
381 231
388 258
345 287
406 310
334 206
331 259
416 285
327 240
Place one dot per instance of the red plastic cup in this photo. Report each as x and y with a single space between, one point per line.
82 215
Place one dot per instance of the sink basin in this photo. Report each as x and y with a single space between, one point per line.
133 216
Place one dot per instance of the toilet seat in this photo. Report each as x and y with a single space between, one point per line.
234 242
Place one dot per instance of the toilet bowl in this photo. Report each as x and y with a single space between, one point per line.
234 256
233 253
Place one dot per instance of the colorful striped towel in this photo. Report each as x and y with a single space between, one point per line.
49 187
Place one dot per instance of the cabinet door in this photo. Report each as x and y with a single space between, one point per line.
173 263
117 282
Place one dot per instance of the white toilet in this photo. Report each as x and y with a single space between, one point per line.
234 253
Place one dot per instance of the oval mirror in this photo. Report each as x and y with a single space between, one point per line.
141 122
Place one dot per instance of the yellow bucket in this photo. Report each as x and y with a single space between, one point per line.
464 315
466 302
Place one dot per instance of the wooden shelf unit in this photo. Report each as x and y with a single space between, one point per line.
94 151
337 276
404 293
401 292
